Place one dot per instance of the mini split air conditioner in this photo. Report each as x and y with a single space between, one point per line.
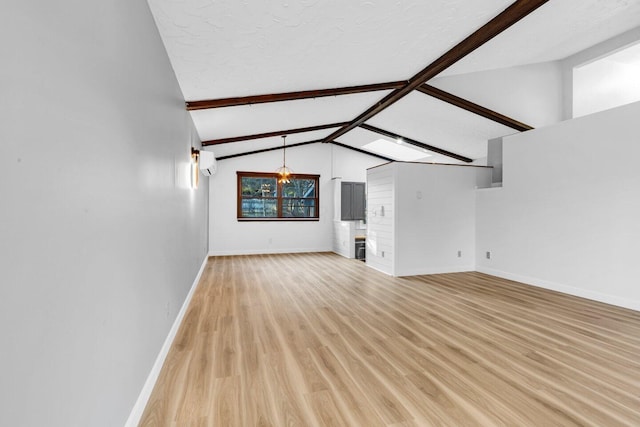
208 164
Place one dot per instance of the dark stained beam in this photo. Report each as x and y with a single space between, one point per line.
290 96
472 107
264 150
271 134
299 144
514 13
359 150
416 143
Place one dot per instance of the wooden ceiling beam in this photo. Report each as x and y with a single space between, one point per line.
264 150
299 144
512 14
290 96
271 134
472 107
359 150
426 89
416 143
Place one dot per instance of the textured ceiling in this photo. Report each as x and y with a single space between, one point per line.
555 31
234 48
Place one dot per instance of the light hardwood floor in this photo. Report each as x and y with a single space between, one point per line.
319 340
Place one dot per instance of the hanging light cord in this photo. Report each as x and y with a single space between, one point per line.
284 172
284 150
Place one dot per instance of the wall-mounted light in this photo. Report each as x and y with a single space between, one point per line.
195 167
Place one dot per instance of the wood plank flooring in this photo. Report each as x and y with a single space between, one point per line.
321 340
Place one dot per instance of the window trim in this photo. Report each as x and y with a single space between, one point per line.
278 198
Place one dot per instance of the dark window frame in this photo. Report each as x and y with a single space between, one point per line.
279 198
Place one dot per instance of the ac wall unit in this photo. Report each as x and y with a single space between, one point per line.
208 163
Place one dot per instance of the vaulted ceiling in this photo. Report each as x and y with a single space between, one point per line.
354 71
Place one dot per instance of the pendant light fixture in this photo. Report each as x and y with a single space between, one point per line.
284 173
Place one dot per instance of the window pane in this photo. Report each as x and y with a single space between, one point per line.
300 188
298 208
259 187
261 196
259 208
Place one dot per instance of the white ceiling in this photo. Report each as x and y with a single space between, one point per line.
231 48
234 48
436 123
555 31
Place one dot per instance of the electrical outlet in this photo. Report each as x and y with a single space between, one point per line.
382 254
168 309
488 255
459 254
270 240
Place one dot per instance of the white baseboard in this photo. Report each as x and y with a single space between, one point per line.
436 270
565 289
342 253
143 398
268 251
377 268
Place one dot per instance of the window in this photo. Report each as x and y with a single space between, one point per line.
261 197
607 82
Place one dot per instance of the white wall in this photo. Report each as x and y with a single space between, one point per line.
344 239
420 215
381 221
228 236
531 93
435 218
567 216
101 238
